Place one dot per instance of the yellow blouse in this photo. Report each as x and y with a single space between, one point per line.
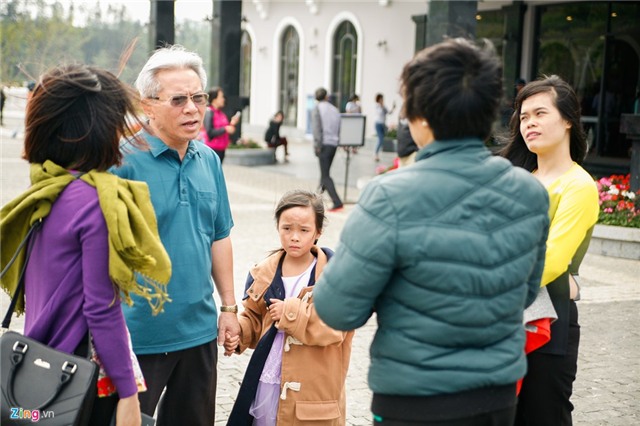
573 210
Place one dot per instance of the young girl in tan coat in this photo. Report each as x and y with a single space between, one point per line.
297 372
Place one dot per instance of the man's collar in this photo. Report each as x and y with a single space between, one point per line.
157 146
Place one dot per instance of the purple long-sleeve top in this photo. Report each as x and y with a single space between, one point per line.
68 289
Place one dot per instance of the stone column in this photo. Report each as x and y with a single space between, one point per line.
451 19
162 23
630 125
512 50
225 60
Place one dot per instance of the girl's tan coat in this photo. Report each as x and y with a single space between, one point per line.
315 358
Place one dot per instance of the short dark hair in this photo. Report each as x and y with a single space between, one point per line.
213 93
302 198
566 100
76 117
456 86
379 96
321 94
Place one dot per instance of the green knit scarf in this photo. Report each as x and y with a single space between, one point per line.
138 262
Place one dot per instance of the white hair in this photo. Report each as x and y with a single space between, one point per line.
168 58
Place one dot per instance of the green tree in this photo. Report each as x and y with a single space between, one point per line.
37 34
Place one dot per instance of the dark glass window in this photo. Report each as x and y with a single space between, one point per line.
490 25
573 43
345 59
289 65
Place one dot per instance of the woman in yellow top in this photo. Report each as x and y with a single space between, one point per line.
547 139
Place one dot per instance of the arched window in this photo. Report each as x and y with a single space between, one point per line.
345 59
289 64
245 70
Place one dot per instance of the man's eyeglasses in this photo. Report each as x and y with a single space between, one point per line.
181 100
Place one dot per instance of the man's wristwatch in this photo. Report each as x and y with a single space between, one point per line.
233 309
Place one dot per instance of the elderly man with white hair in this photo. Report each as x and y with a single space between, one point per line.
177 349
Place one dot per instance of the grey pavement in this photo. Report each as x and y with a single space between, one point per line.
607 389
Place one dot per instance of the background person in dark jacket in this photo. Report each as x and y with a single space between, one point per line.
272 135
447 253
407 148
3 98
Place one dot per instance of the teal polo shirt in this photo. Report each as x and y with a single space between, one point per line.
192 207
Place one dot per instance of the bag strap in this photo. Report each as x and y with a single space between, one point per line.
19 288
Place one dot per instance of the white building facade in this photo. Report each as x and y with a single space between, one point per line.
291 48
346 47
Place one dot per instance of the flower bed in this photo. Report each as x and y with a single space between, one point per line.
617 202
245 144
246 152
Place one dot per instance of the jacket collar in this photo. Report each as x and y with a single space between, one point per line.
264 272
436 147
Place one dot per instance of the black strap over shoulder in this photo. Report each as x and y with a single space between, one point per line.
20 287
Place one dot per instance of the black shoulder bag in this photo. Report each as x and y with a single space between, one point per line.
40 383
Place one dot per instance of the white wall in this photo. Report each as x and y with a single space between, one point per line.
379 67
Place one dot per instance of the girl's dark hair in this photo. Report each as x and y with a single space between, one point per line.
456 86
301 198
565 99
378 97
77 116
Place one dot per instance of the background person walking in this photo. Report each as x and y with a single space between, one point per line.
381 121
325 123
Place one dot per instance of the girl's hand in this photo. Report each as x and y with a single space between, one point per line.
128 411
230 344
275 309
230 129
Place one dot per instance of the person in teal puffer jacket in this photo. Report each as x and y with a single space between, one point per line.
447 253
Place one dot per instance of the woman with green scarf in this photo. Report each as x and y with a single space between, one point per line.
98 242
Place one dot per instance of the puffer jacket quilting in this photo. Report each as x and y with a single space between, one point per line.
447 252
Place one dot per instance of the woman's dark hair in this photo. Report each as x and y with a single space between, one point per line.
565 99
301 198
456 86
213 93
77 116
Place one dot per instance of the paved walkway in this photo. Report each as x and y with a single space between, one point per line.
607 391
